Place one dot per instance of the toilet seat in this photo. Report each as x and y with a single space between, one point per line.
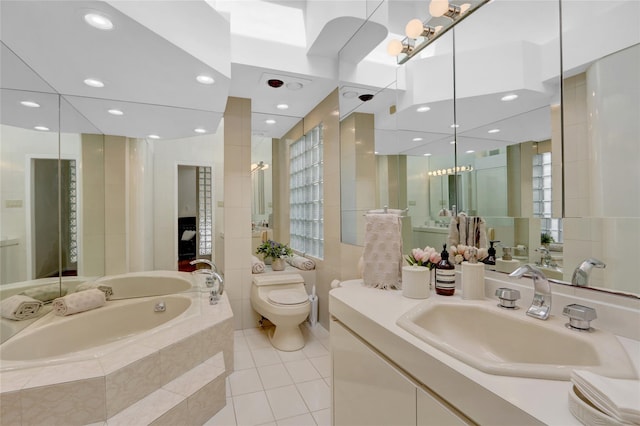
287 297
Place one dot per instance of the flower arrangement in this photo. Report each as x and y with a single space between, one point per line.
428 257
460 253
274 250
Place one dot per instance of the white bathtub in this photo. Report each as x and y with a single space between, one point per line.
149 283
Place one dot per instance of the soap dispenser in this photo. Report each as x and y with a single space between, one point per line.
445 275
473 277
491 259
507 264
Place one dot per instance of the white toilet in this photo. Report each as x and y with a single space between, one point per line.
283 300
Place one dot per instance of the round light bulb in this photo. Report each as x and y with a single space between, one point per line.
414 28
438 8
464 7
394 48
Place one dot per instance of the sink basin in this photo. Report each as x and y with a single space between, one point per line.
509 343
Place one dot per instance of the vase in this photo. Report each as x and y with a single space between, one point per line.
278 264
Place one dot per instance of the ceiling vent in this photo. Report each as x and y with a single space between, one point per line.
278 80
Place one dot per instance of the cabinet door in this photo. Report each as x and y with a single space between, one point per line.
433 412
367 390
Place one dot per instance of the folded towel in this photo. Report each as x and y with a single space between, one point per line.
301 262
45 293
79 302
618 398
105 288
382 253
19 307
257 265
187 235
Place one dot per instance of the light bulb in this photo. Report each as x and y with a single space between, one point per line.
414 28
438 8
394 48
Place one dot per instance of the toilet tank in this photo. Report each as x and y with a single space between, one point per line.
280 279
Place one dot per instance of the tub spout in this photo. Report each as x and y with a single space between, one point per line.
216 291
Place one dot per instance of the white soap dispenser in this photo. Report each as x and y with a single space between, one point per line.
473 277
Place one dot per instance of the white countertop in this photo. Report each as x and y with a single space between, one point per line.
485 398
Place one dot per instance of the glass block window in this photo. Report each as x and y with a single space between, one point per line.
73 213
306 197
542 196
205 211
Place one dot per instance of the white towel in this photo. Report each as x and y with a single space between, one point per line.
79 302
468 230
382 254
257 265
301 262
187 235
19 307
619 398
105 288
45 293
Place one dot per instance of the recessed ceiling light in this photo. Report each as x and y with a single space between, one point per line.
153 137
452 142
470 151
423 108
510 97
417 139
115 112
41 128
30 104
205 79
376 152
455 126
349 94
93 82
494 131
98 21
270 121
428 154
200 130
282 106
294 85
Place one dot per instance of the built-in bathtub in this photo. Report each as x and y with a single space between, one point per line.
150 283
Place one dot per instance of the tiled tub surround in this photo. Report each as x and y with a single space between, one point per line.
175 371
484 398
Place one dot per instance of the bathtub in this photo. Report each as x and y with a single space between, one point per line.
149 283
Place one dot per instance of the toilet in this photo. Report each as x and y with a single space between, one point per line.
283 300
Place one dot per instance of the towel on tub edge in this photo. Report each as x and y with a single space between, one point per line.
105 288
257 265
79 302
20 307
45 293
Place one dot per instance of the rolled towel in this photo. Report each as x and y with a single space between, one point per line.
79 302
257 265
105 288
45 293
20 307
301 262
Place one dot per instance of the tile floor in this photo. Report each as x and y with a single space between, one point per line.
271 387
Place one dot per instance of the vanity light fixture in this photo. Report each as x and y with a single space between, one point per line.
509 97
205 79
270 121
153 137
450 171
42 128
115 112
98 21
494 131
420 34
30 104
200 130
282 106
92 82
423 108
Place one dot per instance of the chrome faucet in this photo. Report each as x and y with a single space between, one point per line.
212 277
211 265
546 259
581 273
541 304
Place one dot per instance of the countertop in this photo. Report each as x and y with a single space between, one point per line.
485 398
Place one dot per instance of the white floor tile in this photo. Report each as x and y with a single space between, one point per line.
252 409
252 330
291 356
301 371
240 344
265 356
314 349
269 424
238 333
322 364
245 381
227 387
302 420
224 417
258 341
322 417
243 360
315 394
274 376
286 402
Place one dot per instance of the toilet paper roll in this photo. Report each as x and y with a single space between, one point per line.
415 282
472 281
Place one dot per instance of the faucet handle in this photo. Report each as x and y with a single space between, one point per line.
507 297
579 316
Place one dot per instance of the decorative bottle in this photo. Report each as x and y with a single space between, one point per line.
445 275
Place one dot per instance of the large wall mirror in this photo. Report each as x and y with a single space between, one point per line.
509 146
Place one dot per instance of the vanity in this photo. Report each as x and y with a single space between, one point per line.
383 374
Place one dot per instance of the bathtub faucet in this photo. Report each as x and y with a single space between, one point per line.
216 291
207 262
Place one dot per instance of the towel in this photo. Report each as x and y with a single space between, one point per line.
618 398
45 293
79 302
19 307
187 235
301 262
382 254
105 288
257 265
468 230
397 212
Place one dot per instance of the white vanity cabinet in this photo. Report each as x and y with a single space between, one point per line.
369 390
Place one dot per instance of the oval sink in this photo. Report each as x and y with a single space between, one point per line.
508 343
